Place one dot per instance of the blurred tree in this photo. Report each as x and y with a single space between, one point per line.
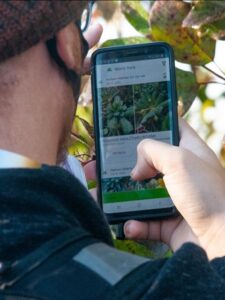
191 27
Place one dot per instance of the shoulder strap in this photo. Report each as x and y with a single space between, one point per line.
14 272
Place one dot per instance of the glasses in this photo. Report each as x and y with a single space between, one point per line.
86 16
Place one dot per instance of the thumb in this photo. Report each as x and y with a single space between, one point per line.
153 157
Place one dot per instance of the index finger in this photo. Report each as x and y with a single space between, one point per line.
153 157
93 34
90 170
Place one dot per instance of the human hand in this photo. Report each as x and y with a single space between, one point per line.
195 181
92 36
90 174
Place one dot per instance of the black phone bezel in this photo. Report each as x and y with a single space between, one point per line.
115 218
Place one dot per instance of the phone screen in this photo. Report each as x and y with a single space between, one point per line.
134 102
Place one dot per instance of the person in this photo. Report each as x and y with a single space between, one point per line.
54 240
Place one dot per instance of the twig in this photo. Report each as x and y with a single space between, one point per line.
218 67
211 71
208 82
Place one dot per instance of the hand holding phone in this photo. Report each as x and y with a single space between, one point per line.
195 180
134 99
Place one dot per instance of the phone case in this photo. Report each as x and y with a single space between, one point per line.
115 218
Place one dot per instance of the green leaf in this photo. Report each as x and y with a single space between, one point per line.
148 116
87 126
91 184
81 151
125 41
189 45
187 88
136 15
204 12
112 124
126 125
80 139
168 254
133 247
215 30
129 112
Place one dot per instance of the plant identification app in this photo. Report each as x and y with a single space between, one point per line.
134 104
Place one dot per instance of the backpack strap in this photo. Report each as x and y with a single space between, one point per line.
10 274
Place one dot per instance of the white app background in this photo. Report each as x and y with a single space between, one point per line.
119 153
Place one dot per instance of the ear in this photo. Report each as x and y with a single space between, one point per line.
69 47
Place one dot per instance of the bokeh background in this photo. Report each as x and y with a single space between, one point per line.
206 104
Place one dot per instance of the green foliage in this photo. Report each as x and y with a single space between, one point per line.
92 184
191 28
136 15
166 25
216 29
125 41
116 118
187 88
205 12
151 106
133 247
82 142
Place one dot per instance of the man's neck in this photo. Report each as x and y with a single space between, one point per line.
35 107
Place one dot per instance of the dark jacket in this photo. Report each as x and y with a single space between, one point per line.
56 244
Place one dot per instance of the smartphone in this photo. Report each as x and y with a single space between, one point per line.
134 95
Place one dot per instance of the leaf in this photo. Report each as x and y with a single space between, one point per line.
187 88
129 112
189 45
215 30
204 12
87 126
81 151
125 41
117 103
112 124
136 15
126 125
133 247
80 138
92 184
148 116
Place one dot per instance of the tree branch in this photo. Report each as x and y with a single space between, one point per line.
211 71
218 67
208 82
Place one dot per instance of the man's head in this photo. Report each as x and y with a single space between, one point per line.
41 53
